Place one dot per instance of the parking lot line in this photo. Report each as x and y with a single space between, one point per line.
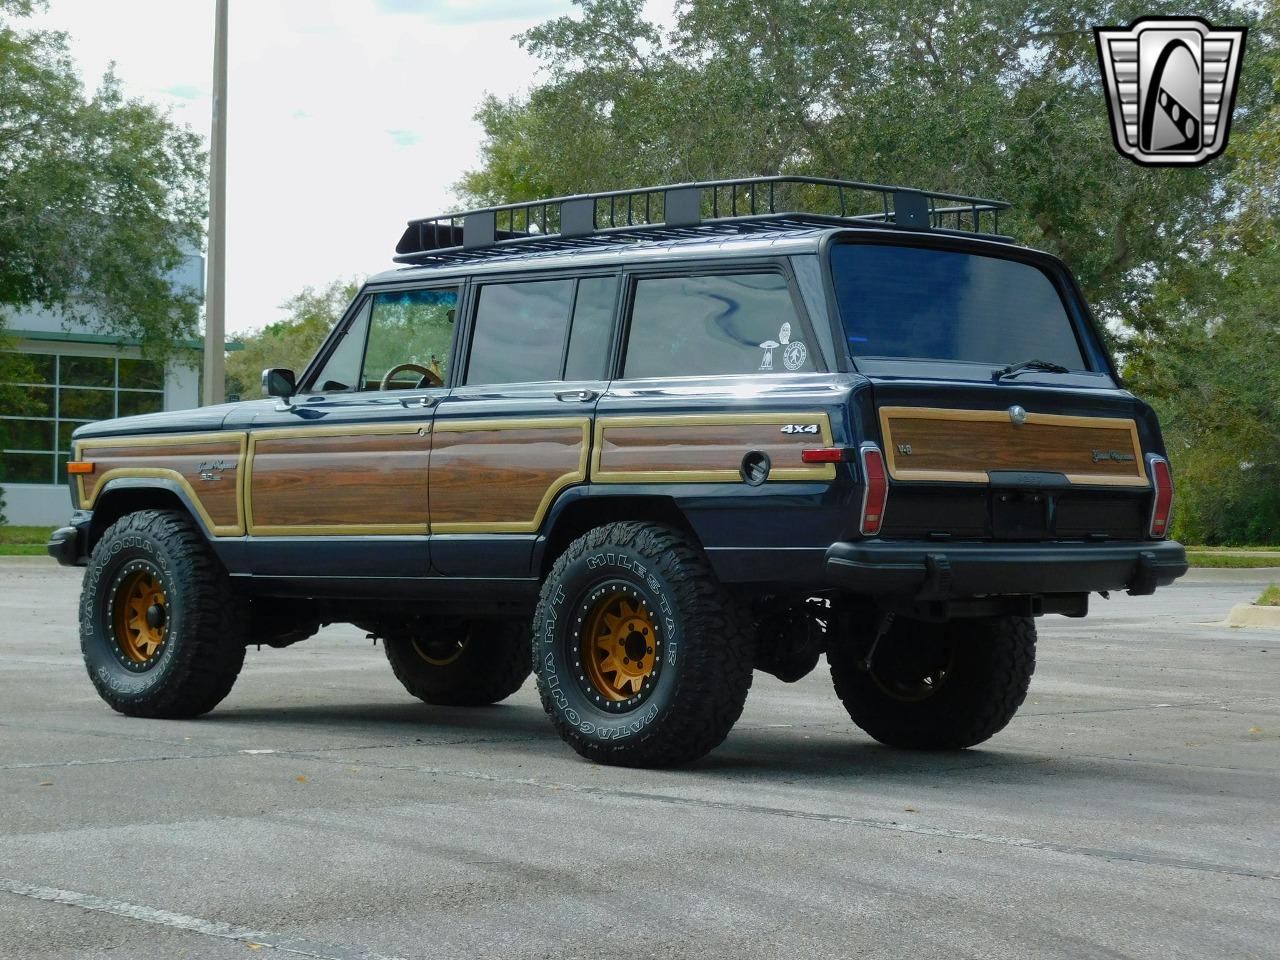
180 921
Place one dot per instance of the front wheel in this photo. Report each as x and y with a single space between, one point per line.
162 633
642 658
934 686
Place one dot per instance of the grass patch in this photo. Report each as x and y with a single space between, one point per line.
1270 597
1198 548
1235 561
22 550
23 541
10 535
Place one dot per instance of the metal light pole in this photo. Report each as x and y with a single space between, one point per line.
215 319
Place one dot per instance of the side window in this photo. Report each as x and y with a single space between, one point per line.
588 357
410 335
519 331
715 325
342 370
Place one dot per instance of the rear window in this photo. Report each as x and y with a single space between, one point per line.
913 302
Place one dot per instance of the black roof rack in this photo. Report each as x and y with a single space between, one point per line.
674 211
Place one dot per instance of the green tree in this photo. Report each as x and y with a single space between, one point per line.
100 195
995 97
292 342
1208 351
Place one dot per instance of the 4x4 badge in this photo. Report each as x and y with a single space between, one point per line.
1171 87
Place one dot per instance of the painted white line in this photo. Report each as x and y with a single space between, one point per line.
180 921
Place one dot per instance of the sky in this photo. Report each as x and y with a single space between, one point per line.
346 118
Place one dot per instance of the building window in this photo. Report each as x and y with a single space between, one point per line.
66 391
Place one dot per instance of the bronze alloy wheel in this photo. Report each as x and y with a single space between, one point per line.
440 653
139 615
618 645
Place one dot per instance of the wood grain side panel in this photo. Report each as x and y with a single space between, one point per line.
964 445
185 461
502 479
706 448
348 483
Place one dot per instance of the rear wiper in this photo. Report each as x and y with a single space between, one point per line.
1047 366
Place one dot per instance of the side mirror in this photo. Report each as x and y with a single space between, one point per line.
278 382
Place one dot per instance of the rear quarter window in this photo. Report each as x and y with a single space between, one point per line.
714 325
917 302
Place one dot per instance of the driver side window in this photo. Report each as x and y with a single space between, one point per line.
411 330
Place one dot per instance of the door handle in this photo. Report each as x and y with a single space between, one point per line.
429 401
582 396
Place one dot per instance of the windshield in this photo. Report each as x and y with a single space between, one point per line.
920 303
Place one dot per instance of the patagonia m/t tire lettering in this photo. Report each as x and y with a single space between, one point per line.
672 653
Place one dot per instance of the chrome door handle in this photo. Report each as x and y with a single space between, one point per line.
418 401
582 396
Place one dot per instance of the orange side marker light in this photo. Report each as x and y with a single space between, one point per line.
79 467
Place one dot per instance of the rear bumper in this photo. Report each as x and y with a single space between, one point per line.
940 571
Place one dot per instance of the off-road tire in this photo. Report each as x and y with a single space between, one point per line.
204 644
490 664
991 664
703 664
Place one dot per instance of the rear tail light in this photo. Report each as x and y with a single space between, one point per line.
876 493
1162 504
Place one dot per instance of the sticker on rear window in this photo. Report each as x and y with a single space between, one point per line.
794 352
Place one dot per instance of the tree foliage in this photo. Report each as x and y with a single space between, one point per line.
101 196
1214 376
291 342
1209 354
992 97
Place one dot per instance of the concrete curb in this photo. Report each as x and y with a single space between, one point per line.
1252 615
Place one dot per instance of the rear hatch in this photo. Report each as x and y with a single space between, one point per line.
978 446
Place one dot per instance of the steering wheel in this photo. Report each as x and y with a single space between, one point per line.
429 377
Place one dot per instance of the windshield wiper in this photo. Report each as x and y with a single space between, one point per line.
1046 366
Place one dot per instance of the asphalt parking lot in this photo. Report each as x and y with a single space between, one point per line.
1131 810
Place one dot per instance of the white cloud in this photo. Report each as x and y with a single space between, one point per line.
346 117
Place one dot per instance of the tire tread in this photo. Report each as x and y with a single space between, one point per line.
715 678
212 653
993 687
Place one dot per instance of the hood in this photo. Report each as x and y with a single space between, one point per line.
196 420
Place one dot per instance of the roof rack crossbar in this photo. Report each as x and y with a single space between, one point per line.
783 202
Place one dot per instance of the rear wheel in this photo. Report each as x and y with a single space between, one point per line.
471 663
934 686
641 656
161 631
